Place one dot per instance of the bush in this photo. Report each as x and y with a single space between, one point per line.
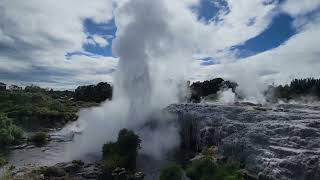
229 172
3 160
122 153
201 168
37 110
206 169
171 172
9 133
39 139
6 175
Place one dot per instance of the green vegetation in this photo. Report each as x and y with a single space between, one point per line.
210 87
99 93
206 169
298 88
39 139
171 172
6 175
3 160
10 134
37 109
122 153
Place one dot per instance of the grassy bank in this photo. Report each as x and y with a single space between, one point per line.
38 110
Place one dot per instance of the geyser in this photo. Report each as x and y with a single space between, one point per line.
143 84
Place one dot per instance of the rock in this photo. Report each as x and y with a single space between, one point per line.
49 172
138 176
247 175
123 174
75 170
90 175
275 143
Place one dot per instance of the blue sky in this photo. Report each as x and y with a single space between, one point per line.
280 30
105 30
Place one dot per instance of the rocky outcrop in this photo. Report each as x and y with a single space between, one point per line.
274 143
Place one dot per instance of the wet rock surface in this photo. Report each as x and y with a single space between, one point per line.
274 142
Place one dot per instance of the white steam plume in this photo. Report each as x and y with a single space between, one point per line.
146 81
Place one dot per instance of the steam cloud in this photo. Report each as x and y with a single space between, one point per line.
144 84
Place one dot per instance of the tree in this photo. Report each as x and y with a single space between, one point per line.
298 88
122 153
210 87
34 89
99 93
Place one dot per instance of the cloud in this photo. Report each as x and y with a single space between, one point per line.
296 58
298 7
37 34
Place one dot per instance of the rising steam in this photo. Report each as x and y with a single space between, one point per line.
143 84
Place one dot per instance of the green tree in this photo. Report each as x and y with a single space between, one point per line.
94 93
122 153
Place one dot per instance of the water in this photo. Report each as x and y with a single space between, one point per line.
32 157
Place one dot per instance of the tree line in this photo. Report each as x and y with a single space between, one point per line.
296 89
89 93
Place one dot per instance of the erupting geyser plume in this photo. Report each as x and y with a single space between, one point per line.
143 83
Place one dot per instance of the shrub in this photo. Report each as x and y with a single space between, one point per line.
229 172
9 133
122 153
206 169
6 175
171 172
39 139
201 168
3 160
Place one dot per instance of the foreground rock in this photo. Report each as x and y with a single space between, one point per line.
274 143
75 170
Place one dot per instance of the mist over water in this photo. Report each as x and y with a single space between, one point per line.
143 85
